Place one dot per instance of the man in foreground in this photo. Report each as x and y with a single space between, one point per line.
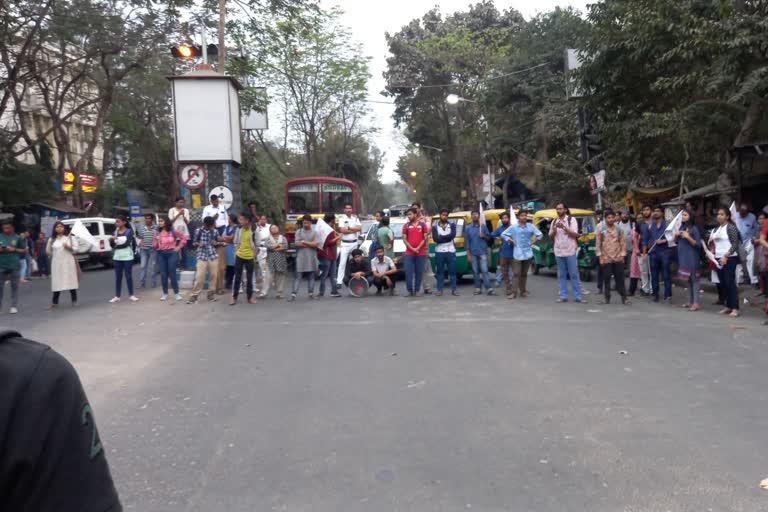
610 247
384 271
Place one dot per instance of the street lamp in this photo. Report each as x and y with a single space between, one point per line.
454 99
418 145
414 174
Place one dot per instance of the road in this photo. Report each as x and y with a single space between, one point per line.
430 404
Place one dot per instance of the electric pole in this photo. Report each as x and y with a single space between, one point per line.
222 47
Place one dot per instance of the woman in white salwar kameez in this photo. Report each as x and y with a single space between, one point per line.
64 267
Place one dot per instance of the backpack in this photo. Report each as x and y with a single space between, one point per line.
375 243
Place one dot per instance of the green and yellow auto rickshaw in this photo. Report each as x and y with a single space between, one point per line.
543 250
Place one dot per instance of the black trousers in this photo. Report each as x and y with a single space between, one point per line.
380 282
55 299
615 270
239 264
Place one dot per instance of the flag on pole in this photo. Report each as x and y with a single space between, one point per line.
735 217
512 216
322 230
85 239
482 214
672 229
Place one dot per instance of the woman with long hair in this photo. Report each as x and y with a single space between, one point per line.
168 243
64 268
688 259
122 257
726 240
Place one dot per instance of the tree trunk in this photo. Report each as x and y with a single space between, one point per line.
752 119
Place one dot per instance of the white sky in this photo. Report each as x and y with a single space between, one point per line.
369 20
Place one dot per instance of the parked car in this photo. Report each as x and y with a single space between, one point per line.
102 229
396 225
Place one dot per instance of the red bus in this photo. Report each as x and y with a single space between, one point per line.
316 195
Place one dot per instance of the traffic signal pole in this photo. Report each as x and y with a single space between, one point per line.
222 47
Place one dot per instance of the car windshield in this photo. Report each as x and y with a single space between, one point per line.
303 198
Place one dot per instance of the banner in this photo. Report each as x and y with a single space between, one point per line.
87 181
672 229
597 182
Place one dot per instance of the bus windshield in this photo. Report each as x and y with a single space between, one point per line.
303 197
335 196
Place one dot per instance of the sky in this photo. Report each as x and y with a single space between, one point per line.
368 20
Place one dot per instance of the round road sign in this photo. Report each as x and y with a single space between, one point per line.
192 176
224 194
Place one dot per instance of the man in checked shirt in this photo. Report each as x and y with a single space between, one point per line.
206 242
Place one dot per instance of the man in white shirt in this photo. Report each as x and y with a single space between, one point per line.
180 219
263 276
384 272
220 217
350 227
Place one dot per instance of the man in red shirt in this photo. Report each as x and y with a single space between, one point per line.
415 236
764 242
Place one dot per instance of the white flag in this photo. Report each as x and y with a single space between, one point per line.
735 217
322 230
85 239
672 229
512 217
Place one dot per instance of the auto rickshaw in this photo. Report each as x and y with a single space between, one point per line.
544 251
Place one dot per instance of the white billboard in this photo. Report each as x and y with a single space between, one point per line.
207 119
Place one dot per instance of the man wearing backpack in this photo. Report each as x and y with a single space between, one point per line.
611 249
564 230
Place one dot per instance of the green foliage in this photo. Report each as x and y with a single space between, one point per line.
22 184
261 181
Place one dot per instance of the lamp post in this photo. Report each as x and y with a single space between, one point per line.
455 99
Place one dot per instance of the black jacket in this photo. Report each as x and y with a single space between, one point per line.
443 239
352 268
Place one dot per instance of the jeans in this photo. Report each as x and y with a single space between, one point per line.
72 295
693 289
229 276
616 270
328 271
24 268
500 274
13 276
123 267
148 263
168 260
381 282
42 264
241 263
728 283
445 261
645 274
298 276
568 266
480 271
659 261
414 269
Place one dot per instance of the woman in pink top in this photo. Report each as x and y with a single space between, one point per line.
168 243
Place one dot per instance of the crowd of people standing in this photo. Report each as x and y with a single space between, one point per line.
243 253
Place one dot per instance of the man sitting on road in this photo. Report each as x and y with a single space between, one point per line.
358 268
384 272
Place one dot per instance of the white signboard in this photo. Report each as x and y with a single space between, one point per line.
207 120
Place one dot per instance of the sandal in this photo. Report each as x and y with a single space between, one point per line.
734 314
725 311
684 306
695 307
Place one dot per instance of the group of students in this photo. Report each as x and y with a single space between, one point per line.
646 246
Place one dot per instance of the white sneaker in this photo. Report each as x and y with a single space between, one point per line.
179 297
164 297
114 299
13 311
133 298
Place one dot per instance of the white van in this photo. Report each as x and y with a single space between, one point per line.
102 229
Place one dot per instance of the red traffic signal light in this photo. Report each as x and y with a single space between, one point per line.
188 51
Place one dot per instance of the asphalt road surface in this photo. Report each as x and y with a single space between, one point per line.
430 404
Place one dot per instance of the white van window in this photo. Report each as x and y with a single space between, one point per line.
109 228
92 227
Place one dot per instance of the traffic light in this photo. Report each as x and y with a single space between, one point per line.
188 51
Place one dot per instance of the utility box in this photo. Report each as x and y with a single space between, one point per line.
206 116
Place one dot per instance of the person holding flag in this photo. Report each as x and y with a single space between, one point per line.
504 272
656 248
476 238
326 253
522 236
726 239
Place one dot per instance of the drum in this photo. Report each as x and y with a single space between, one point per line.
358 287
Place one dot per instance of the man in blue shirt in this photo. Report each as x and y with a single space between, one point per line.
505 253
504 272
655 246
476 238
747 224
522 236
